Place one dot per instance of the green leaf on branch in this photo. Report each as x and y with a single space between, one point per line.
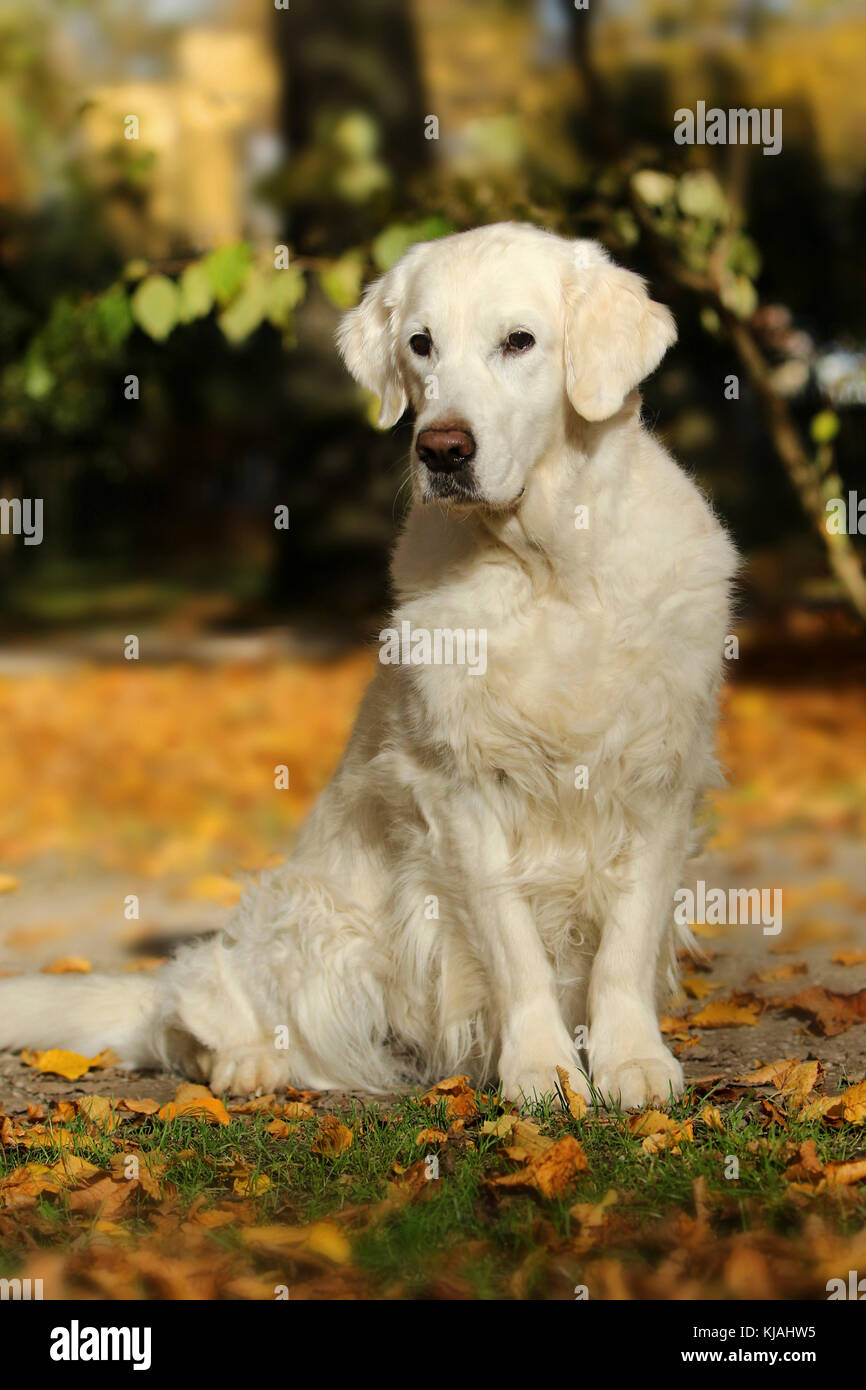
341 281
700 195
226 269
824 426
196 293
654 188
739 295
109 321
38 379
745 257
356 134
156 306
390 244
286 289
710 321
246 312
358 182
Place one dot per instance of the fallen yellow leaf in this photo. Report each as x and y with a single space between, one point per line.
110 1228
214 888
696 987
724 1014
500 1128
649 1122
333 1137
322 1240
70 1065
68 965
252 1186
195 1103
850 958
843 1174
551 1173
575 1102
99 1111
144 1106
592 1214
458 1095
527 1135
431 1136
789 971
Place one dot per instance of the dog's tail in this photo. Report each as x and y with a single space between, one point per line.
84 1013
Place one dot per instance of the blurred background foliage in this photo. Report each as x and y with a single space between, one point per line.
255 128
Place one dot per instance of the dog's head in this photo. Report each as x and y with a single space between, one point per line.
493 336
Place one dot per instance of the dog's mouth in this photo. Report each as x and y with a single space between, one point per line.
451 487
463 492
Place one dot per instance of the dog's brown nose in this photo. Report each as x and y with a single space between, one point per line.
445 450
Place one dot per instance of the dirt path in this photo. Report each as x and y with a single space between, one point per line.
824 912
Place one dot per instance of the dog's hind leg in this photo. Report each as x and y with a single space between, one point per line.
293 992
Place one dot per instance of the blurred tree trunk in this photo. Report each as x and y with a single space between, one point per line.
347 55
597 109
340 56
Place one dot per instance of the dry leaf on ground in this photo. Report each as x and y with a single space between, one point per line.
431 1136
57 1061
193 1102
575 1102
850 958
68 965
789 971
214 888
696 987
551 1173
333 1137
458 1095
728 1013
322 1242
831 1012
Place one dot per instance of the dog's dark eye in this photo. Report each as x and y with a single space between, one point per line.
421 343
519 341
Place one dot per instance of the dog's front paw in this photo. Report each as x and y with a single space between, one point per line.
638 1081
528 1080
534 1045
241 1070
533 1082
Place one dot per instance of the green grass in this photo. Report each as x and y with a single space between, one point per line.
406 1248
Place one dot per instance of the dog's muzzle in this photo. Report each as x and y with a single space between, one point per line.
447 453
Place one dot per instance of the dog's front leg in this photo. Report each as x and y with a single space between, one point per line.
533 1038
629 1062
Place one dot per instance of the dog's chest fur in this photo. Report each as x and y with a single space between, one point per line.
571 700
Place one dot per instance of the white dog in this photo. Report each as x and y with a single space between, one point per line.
494 862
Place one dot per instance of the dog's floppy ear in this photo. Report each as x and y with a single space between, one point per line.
366 342
615 335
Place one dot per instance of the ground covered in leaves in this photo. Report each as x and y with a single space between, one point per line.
755 1188
156 785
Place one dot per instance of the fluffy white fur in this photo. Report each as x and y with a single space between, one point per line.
555 905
